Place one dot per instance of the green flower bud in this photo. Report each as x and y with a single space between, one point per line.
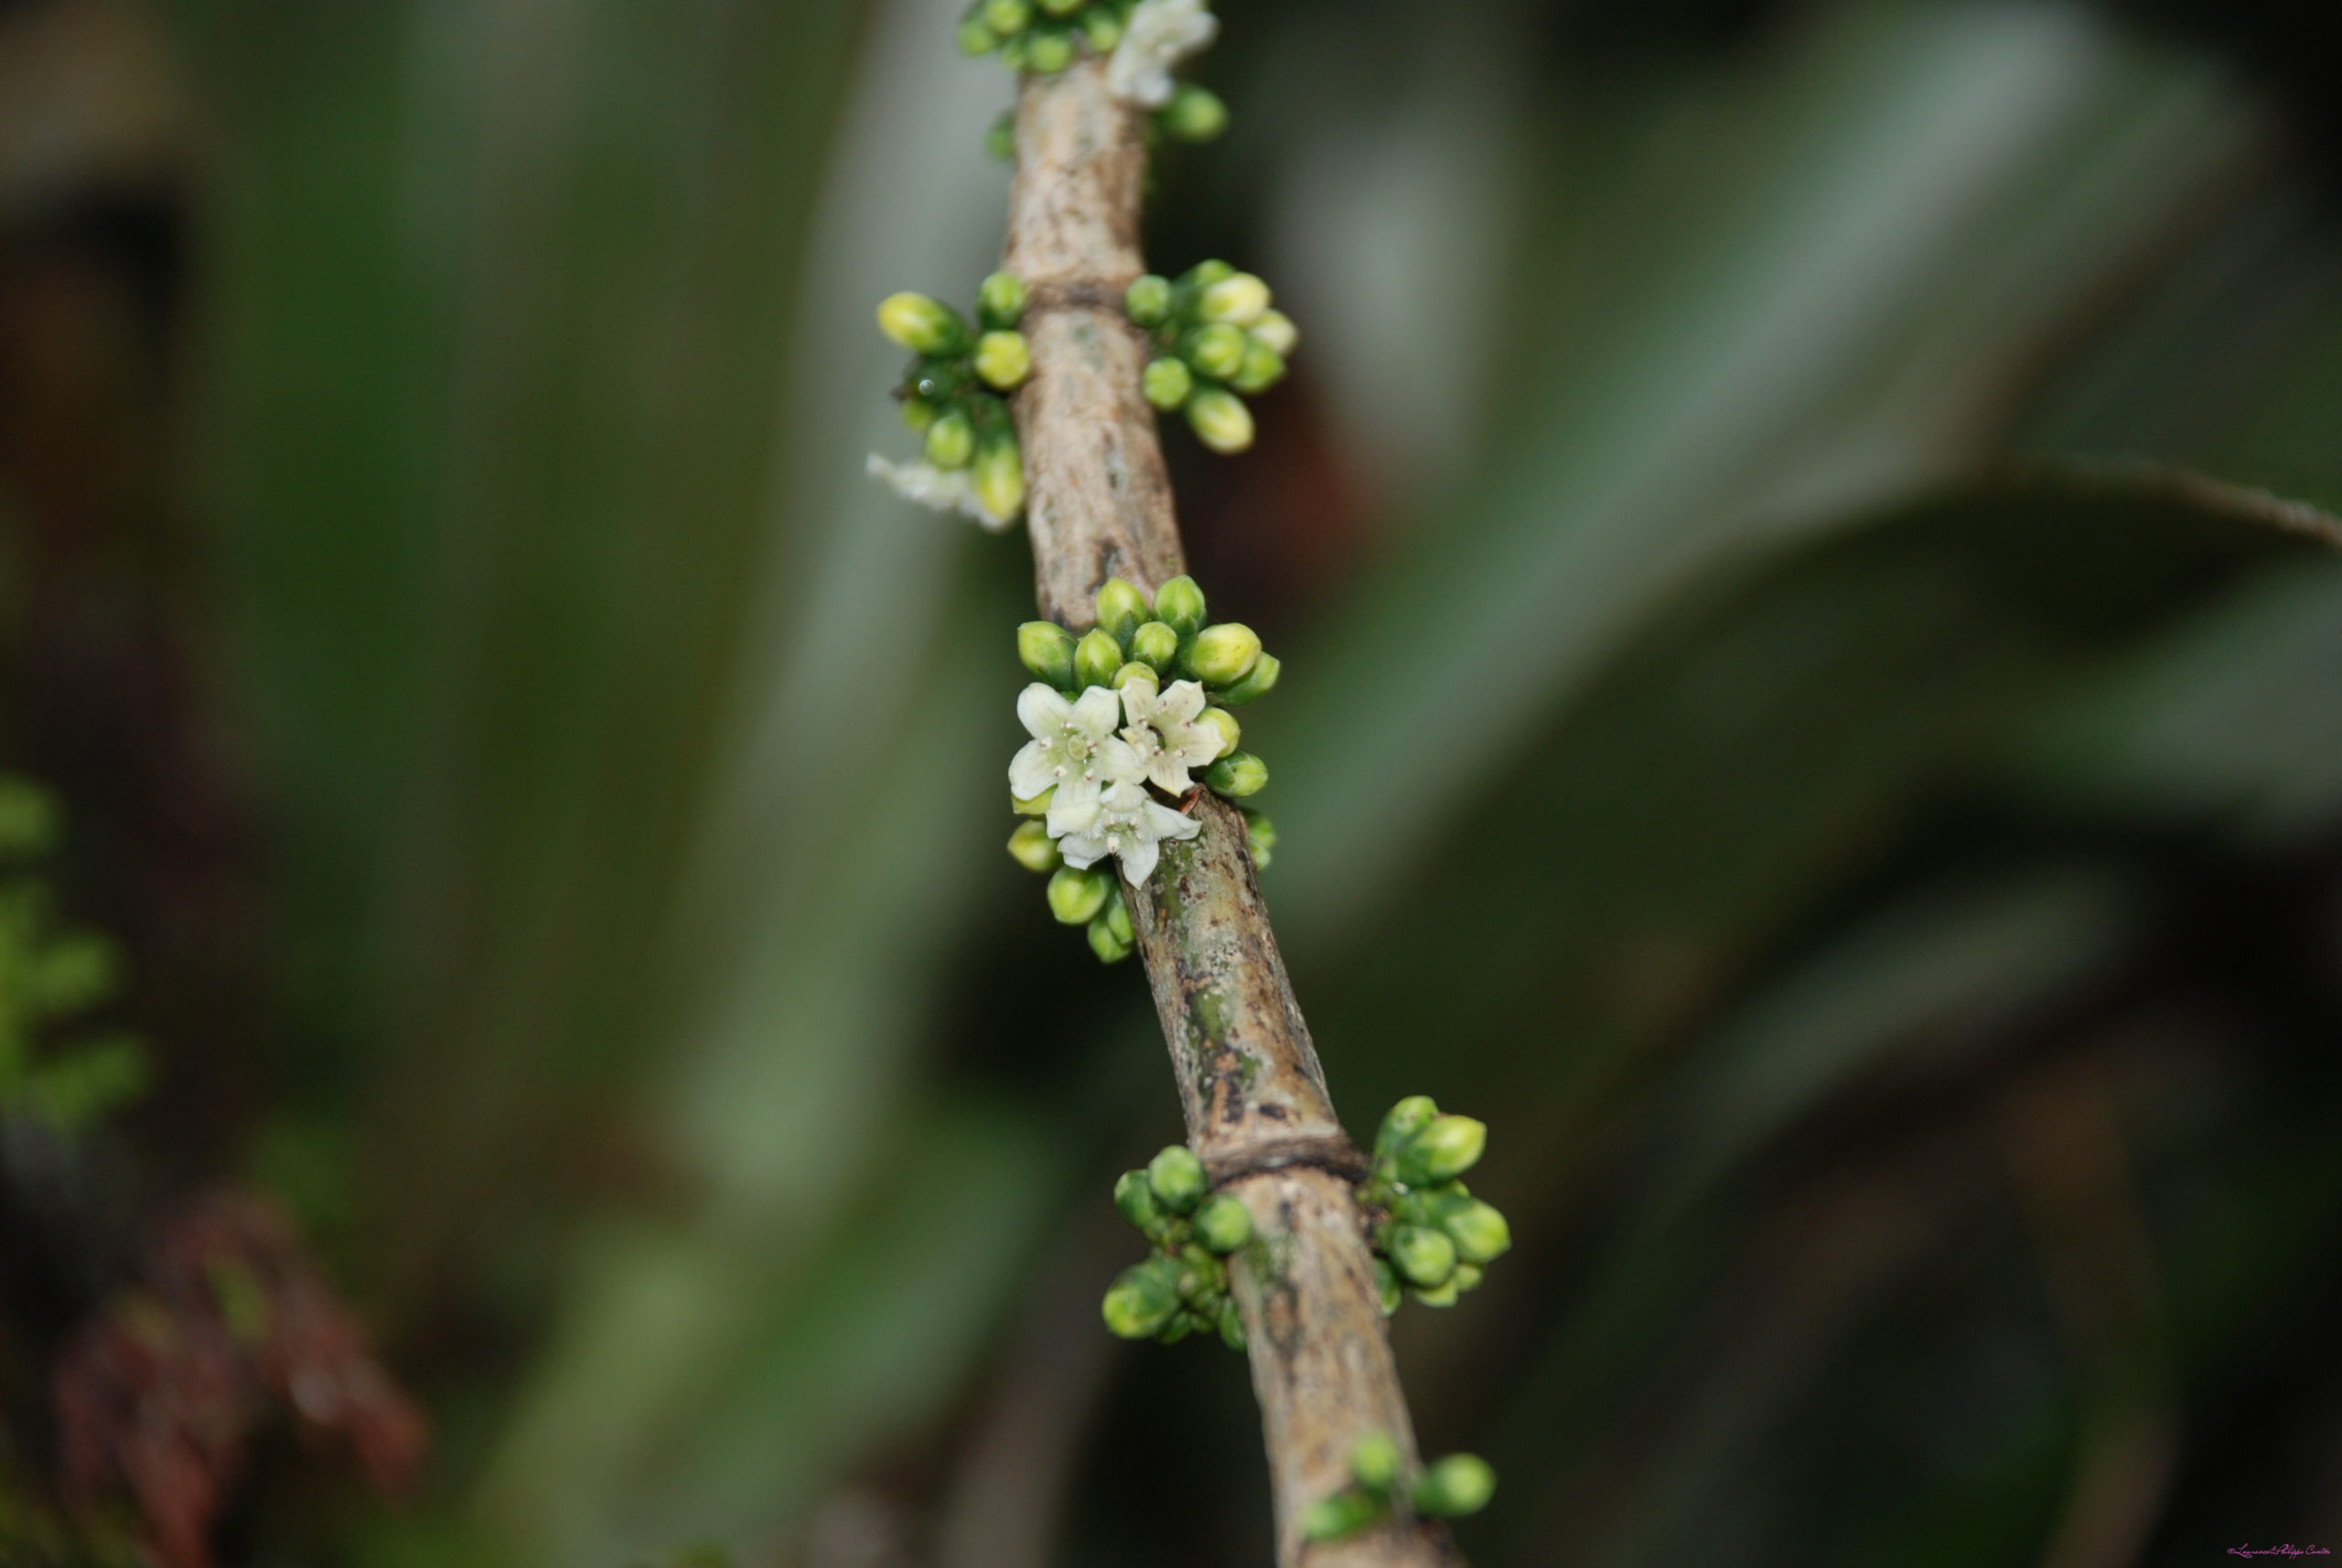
1000 140
1039 806
1406 1119
1179 604
918 415
1276 328
1062 7
1260 838
1263 367
1048 53
1386 1283
1096 658
1478 1230
1217 350
1000 301
1102 28
1047 649
1458 1485
1221 720
1143 674
1005 360
1237 299
1135 1200
1203 1279
1179 1328
951 441
1147 301
1120 607
1344 1514
1232 1325
975 38
1007 17
1223 1224
999 476
1443 1151
1221 654
1426 1256
1193 114
1166 383
922 325
1142 1301
1014 51
1442 1295
1118 918
1221 421
1236 775
1156 643
1467 1277
1374 1462
1031 847
1203 275
1077 897
1257 681
1109 947
938 381
1178 1179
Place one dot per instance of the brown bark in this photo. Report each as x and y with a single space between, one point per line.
1257 1109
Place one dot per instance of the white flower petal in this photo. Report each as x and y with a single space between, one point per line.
1074 807
1043 711
1166 823
1030 772
1096 712
1117 762
1181 701
1082 851
1138 861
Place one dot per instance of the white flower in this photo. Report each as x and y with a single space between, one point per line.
1159 35
1164 732
1073 751
945 489
1128 823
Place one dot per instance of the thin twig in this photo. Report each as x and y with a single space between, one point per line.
1257 1109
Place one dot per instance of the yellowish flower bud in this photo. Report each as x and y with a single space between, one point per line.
1222 654
1032 849
1220 420
1003 360
922 325
1276 328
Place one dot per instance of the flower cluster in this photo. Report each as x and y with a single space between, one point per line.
951 395
1433 1239
1215 336
1134 710
1448 1489
1141 40
1182 1288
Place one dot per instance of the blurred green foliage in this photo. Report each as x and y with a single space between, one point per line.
47 975
1764 727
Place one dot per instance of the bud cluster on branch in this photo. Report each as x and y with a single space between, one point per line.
951 394
1133 714
1432 1240
1182 1288
1215 336
1448 1489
